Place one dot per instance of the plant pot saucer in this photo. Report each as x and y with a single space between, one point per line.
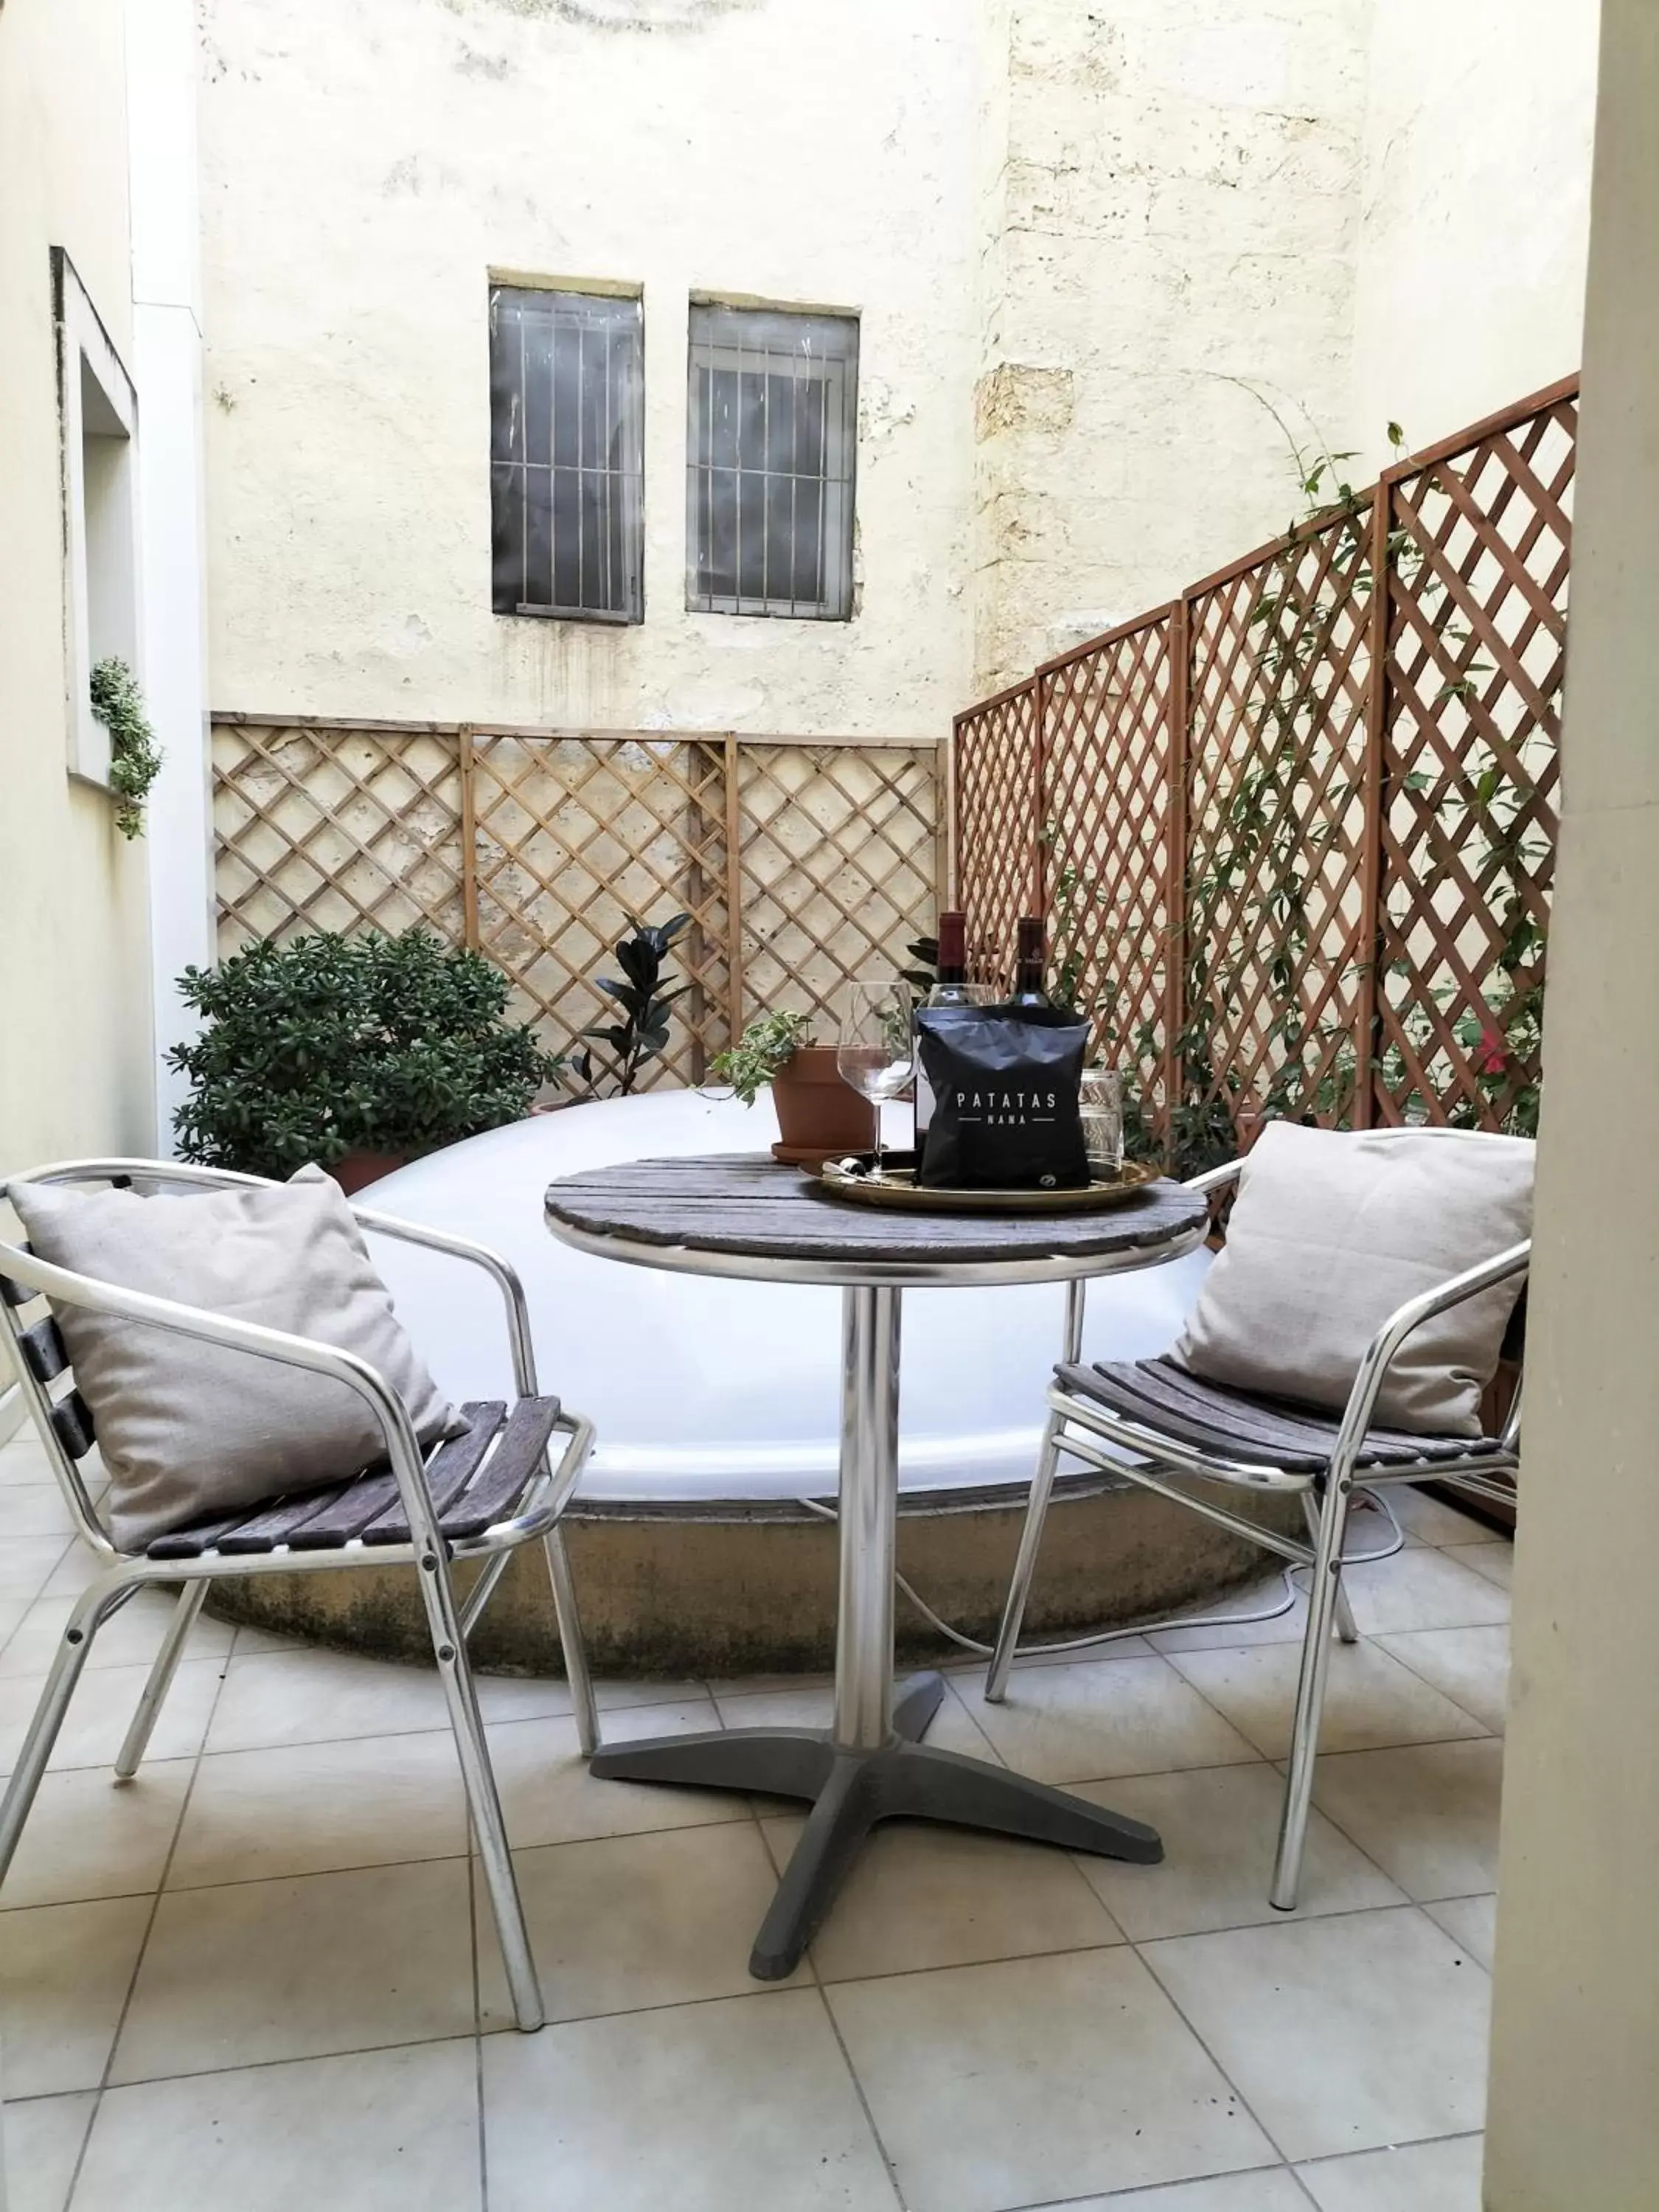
808 1156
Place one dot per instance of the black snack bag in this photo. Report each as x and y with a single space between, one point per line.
1006 1082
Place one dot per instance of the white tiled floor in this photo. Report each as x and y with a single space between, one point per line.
262 1975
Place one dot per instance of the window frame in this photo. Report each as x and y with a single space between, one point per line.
85 352
839 376
628 474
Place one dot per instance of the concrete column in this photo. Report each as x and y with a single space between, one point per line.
161 66
1574 2119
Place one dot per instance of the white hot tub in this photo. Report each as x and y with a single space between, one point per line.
705 1389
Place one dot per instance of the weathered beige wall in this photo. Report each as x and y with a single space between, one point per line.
1574 2123
1174 212
75 1032
357 186
1476 211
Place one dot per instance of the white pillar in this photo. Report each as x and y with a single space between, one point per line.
1574 2112
161 67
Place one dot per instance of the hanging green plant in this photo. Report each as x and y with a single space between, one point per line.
135 758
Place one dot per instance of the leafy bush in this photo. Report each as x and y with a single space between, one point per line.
326 1045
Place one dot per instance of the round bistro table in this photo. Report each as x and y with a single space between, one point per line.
747 1216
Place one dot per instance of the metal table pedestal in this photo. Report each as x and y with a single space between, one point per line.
871 1764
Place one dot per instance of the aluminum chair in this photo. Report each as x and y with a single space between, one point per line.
478 1496
1154 1423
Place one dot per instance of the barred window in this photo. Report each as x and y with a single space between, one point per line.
769 463
565 371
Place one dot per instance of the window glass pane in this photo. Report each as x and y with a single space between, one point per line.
773 395
566 494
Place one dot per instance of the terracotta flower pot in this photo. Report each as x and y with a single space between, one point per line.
819 1116
355 1169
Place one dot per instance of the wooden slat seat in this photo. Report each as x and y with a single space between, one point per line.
475 1479
1237 1424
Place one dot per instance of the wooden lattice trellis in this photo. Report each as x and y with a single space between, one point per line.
1308 811
800 864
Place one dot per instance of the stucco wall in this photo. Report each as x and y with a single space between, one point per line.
75 1032
1178 198
1476 211
356 188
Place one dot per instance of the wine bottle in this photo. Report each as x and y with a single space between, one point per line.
949 990
1030 961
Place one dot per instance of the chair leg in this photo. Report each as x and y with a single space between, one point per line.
570 1638
137 1741
1030 1539
1346 1629
1332 1517
95 1606
484 1803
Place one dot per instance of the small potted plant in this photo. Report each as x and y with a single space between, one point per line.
819 1116
356 1052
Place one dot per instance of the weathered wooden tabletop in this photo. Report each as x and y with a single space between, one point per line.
746 1203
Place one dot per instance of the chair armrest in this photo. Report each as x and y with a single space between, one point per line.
504 1275
186 1175
1215 1178
390 1415
1402 1323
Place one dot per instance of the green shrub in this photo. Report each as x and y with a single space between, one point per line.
135 758
326 1045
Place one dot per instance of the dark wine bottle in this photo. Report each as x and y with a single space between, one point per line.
1030 961
949 990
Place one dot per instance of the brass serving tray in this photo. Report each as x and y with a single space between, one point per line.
898 1187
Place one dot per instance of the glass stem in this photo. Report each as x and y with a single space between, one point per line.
875 1107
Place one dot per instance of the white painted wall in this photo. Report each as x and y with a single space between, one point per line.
1476 211
357 186
75 1030
161 79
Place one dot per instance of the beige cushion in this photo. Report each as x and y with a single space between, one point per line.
187 1429
1330 1232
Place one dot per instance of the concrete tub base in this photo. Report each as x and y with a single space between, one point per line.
740 1590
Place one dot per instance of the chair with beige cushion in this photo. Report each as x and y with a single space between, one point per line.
217 1430
1342 1341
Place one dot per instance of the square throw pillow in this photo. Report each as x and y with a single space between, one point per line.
1330 1232
187 1429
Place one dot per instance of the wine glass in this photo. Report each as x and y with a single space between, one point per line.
877 1053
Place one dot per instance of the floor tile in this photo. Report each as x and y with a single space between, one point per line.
311 1808
1472 1923
1104 1717
1220 1826
26 1564
380 2131
550 1797
23 1456
88 1835
1421 1590
77 1565
1428 1814
1470 1665
627 1924
1344 2034
332 1962
1126 1644
132 1638
44 2135
1369 1697
1223 1628
1432 1520
1038 2079
102 1710
1270 2190
33 1509
64 1973
321 1697
749 2099
921 1895
1427 2177
1496 1560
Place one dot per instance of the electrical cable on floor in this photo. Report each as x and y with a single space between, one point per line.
1147 1627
